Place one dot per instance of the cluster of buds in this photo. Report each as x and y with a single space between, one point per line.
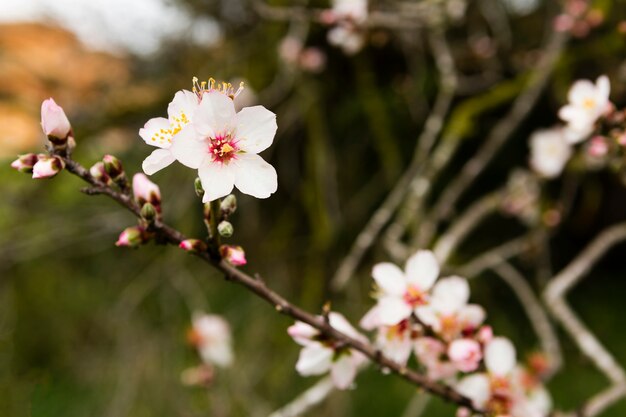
148 197
294 54
347 19
41 166
578 18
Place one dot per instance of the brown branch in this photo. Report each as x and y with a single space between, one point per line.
170 235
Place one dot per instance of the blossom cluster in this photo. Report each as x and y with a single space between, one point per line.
588 103
418 313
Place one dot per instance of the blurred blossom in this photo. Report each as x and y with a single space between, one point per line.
521 197
587 102
521 7
210 334
549 152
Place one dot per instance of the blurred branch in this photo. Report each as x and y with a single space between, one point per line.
536 313
495 256
169 235
432 128
554 297
307 400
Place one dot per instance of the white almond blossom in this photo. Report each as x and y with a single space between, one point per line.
223 145
159 131
431 353
549 152
401 293
395 342
320 355
349 15
448 312
211 335
587 102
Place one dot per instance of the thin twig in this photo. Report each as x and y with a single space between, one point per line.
306 400
493 257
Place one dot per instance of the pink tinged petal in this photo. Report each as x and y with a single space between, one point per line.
188 150
392 310
389 278
475 387
339 322
302 333
156 132
465 354
428 315
256 128
157 160
500 356
371 319
254 176
53 120
184 103
429 350
145 190
217 180
314 359
422 269
398 349
216 114
450 295
471 316
343 371
539 400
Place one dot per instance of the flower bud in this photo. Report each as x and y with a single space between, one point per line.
148 212
24 163
146 191
225 229
193 245
113 167
228 205
197 185
233 254
47 166
98 172
54 122
131 237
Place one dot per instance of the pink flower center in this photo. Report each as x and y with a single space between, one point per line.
223 148
414 296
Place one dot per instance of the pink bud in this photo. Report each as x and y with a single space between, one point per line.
485 334
54 121
47 166
146 191
25 163
98 172
327 17
233 254
312 60
131 237
598 147
465 354
193 245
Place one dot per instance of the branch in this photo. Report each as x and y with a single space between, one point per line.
167 234
307 400
495 256
554 297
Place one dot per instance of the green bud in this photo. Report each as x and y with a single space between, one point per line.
225 229
148 212
229 205
113 167
197 185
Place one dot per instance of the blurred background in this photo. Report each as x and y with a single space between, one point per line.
89 329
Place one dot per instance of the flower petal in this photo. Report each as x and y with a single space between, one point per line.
187 149
339 322
475 387
302 333
389 278
471 316
500 356
217 180
216 114
157 160
371 319
156 132
343 371
422 269
256 127
392 310
314 359
184 104
254 176
450 294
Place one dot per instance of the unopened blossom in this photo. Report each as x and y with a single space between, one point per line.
145 191
25 163
223 146
549 152
54 121
448 313
98 172
320 354
211 335
47 166
587 102
402 292
159 131
465 354
234 255
193 245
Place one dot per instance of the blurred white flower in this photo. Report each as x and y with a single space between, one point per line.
549 152
320 355
587 102
210 333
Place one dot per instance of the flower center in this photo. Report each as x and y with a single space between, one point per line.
589 103
223 148
414 296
